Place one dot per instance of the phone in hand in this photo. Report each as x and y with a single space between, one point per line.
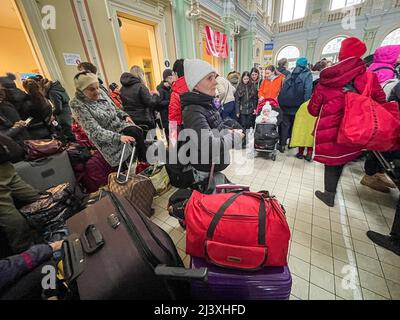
28 121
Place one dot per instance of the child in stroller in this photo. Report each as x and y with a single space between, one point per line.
266 136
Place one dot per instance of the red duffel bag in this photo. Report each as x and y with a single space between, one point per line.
244 231
367 123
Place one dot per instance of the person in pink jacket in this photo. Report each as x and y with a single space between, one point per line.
328 102
385 60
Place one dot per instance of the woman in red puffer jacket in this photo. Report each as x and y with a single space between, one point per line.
328 102
174 110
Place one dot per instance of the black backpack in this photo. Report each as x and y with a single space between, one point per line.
292 93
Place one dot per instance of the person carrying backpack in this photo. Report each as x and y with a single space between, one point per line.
328 104
297 89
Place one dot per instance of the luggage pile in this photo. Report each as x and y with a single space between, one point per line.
241 237
237 239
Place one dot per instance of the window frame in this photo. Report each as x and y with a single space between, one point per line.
289 59
388 34
335 55
294 9
345 6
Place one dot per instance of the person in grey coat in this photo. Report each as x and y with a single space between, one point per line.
106 126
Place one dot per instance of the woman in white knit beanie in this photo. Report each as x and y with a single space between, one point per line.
200 114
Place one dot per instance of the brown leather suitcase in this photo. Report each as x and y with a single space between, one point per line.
139 190
113 253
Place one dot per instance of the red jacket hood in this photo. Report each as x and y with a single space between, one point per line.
180 86
342 73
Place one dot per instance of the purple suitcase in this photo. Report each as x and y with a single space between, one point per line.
273 283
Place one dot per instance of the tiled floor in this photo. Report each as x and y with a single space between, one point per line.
330 256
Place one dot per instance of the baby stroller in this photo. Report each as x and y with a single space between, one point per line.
266 136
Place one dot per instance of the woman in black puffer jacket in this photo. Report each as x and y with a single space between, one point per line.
136 98
202 117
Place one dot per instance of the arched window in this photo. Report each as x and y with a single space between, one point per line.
291 53
392 38
332 48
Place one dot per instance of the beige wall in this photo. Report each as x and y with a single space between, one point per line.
65 39
106 40
171 46
15 53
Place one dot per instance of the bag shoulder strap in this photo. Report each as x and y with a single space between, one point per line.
384 68
368 86
261 216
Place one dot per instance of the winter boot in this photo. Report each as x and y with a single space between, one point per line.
386 182
326 197
387 242
374 183
309 155
300 154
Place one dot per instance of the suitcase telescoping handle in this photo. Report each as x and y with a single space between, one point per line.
385 164
221 188
120 177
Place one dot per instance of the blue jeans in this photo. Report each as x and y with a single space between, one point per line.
229 111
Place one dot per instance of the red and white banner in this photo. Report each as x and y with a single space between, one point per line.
217 43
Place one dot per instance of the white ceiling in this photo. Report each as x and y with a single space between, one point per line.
8 16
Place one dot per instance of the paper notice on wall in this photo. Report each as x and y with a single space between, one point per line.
72 59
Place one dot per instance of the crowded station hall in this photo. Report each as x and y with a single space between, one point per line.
178 150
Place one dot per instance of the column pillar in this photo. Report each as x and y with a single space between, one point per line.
369 39
310 53
229 24
246 50
184 34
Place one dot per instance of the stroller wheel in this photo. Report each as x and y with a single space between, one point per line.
273 157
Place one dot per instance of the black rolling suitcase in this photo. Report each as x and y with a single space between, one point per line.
116 252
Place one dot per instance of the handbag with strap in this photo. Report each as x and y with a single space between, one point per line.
159 178
36 149
139 190
367 123
246 231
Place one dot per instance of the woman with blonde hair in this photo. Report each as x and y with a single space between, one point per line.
136 98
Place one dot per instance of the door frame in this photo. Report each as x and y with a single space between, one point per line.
139 14
31 21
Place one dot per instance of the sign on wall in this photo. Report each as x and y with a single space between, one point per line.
268 53
72 59
217 43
